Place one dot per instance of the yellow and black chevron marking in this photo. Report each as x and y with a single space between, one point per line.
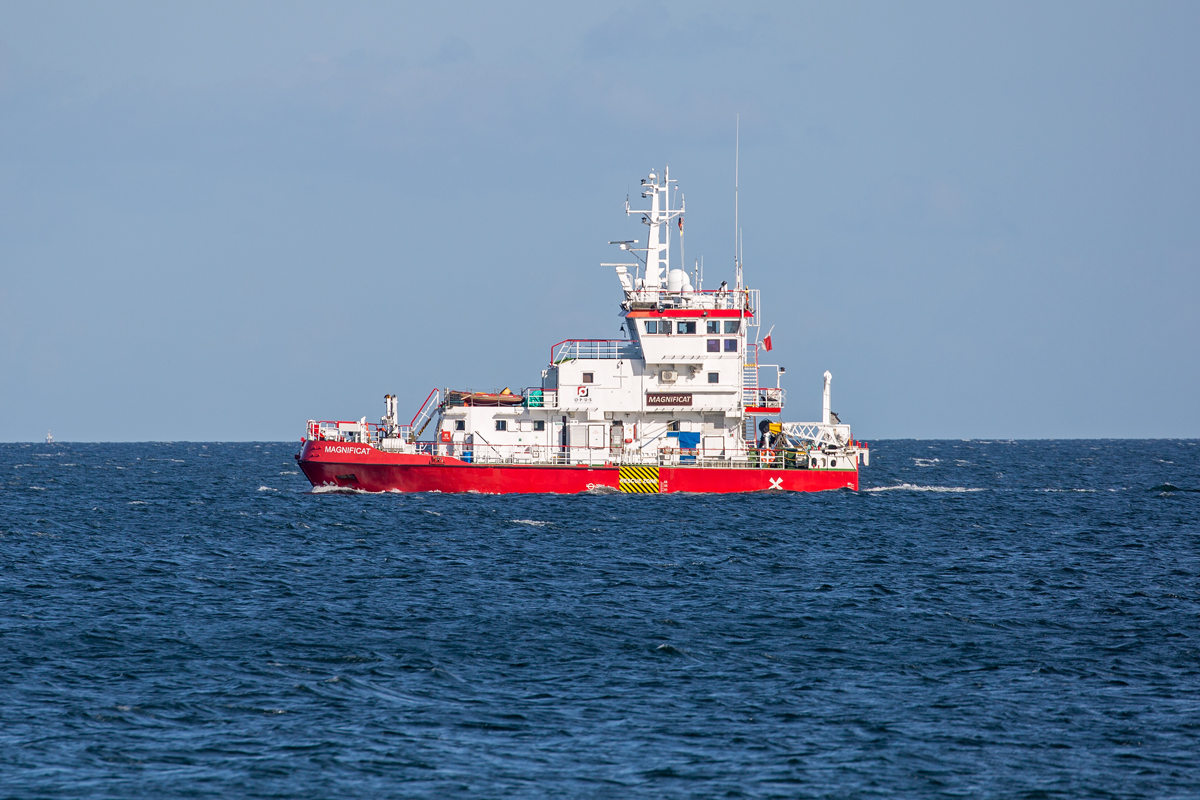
643 480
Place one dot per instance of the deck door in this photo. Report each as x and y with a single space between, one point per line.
596 436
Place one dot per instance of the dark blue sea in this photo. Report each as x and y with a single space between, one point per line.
985 619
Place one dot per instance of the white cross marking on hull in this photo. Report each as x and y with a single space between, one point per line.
775 484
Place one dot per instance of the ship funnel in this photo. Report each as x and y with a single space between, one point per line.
825 412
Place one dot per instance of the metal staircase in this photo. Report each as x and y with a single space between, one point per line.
425 415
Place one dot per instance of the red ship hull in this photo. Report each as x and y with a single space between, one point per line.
362 467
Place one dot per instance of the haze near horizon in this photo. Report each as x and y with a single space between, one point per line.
219 220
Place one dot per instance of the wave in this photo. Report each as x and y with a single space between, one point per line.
336 490
267 489
1170 487
535 522
909 487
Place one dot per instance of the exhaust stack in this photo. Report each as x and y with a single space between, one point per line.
825 412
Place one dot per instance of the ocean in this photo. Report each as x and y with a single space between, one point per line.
983 619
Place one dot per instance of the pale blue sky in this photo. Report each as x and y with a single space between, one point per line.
218 220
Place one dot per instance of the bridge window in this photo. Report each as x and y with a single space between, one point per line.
539 424
460 424
712 326
714 377
685 327
733 325
731 345
501 424
589 377
651 326
714 345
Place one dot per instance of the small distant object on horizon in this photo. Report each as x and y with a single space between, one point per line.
49 438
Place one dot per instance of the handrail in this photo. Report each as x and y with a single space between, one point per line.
757 395
422 408
537 397
816 434
586 349
762 396
744 299
425 412
482 451
806 441
344 430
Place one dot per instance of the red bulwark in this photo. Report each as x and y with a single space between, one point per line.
358 466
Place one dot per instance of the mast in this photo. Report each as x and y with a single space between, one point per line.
665 228
737 236
658 242
654 238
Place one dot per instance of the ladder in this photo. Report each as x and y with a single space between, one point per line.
749 381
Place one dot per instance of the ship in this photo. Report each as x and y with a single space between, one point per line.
685 401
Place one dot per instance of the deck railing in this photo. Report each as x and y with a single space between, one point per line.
762 397
828 452
332 430
594 348
747 300
725 458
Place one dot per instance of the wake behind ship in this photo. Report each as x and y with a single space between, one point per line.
685 403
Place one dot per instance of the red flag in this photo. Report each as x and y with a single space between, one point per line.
767 340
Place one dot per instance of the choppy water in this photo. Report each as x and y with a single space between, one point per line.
1008 619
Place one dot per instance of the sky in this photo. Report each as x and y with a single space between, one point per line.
219 220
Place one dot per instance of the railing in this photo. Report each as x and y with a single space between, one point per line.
594 348
531 397
329 430
424 415
746 300
754 394
807 440
483 452
536 397
816 434
762 397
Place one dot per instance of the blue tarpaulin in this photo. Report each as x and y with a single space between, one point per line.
687 441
